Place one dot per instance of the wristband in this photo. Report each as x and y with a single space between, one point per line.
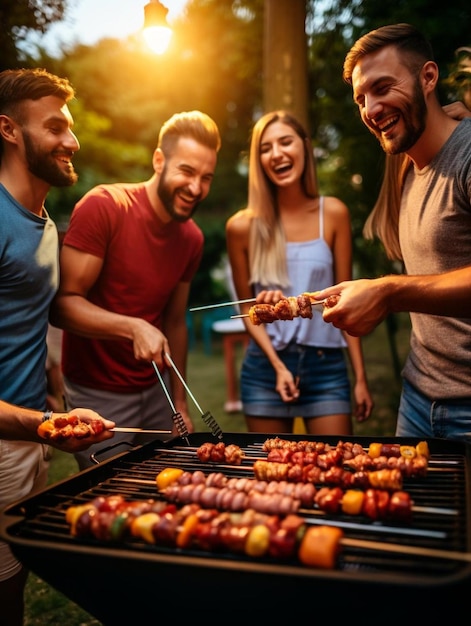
47 416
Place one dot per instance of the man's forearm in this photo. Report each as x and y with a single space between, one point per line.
76 314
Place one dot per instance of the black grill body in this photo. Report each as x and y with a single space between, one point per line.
132 582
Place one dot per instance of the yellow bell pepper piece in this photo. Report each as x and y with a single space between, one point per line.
408 452
423 449
168 476
142 526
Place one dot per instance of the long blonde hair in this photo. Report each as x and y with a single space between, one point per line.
383 221
267 245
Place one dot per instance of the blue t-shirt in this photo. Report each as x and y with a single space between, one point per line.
29 278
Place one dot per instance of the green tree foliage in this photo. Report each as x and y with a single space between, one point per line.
125 93
18 18
447 25
215 63
350 159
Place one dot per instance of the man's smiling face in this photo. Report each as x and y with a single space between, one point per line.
390 99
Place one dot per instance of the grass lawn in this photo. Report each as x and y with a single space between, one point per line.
46 607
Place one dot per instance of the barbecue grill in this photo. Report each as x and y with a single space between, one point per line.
131 582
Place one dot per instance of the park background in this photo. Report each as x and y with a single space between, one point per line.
218 62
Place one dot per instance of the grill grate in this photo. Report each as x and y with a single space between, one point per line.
439 521
39 535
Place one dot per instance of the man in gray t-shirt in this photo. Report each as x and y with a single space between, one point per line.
423 218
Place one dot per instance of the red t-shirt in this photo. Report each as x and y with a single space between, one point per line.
143 261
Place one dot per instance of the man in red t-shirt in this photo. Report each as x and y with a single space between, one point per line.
127 261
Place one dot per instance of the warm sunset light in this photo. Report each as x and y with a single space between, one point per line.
157 38
157 32
88 21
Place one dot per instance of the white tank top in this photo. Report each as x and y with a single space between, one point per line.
310 268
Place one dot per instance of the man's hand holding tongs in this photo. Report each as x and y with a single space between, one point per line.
149 343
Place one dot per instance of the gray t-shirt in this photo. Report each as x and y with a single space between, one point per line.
435 237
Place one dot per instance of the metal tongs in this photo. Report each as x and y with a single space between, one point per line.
177 416
207 417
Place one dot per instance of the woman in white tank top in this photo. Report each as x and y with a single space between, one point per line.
291 240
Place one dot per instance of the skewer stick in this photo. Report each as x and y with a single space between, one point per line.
404 549
122 429
214 306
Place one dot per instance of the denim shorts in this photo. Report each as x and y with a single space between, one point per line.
419 416
324 384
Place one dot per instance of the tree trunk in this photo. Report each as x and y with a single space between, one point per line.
285 70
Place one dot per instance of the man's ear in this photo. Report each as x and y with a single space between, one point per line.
429 75
158 161
8 129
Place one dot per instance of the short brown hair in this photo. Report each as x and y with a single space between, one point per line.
30 84
404 37
19 85
194 124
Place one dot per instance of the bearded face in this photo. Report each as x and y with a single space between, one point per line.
185 175
52 166
169 193
414 115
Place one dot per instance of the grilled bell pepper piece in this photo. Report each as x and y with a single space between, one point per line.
142 526
375 450
258 540
168 476
186 532
423 449
408 452
118 526
75 513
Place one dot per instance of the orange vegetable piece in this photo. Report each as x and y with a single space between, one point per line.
45 428
320 546
423 449
375 450
73 514
184 536
352 502
168 476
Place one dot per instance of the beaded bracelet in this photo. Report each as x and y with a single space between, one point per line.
47 415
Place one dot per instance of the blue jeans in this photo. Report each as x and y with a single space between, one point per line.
323 382
421 417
